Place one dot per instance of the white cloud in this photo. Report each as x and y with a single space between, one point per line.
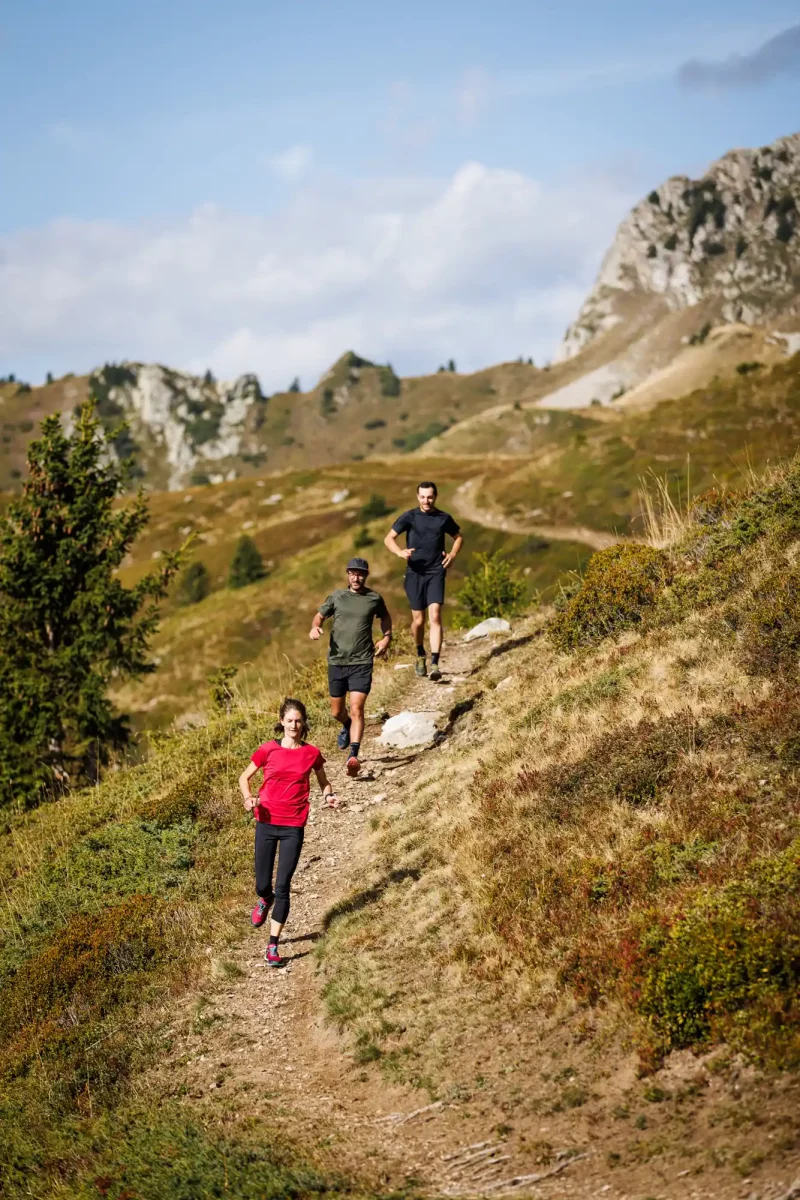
482 266
291 164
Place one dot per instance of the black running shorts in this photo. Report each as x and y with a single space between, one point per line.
423 590
342 680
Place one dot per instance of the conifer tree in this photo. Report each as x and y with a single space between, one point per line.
247 565
68 626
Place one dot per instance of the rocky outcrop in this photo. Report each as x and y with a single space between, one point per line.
730 239
182 429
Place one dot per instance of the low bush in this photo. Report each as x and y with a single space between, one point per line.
727 966
493 589
247 565
770 631
55 1001
374 508
619 586
194 584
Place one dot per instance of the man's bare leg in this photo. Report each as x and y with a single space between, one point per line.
418 634
437 636
357 702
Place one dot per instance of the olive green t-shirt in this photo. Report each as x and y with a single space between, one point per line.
351 635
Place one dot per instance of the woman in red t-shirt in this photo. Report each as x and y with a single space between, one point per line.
281 812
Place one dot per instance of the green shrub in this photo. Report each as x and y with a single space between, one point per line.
247 565
93 964
726 966
378 423
374 508
413 441
390 384
363 539
220 692
493 589
770 633
620 585
327 403
746 368
194 584
672 242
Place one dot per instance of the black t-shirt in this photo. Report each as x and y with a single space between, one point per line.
425 535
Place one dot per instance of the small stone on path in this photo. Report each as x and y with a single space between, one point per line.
408 729
490 625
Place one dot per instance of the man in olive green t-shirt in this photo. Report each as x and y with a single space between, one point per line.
351 652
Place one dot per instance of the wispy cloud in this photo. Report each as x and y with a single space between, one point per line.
292 163
778 56
473 93
481 266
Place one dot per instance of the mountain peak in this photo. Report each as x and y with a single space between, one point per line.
730 240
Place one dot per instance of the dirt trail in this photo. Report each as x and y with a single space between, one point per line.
465 506
258 1043
269 1048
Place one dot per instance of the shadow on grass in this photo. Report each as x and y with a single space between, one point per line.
357 901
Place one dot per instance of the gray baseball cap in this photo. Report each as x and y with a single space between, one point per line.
358 564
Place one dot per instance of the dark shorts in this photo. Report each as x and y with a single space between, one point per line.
342 680
423 590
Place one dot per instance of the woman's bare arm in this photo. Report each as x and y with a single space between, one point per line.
247 774
328 794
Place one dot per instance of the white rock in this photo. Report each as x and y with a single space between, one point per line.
490 625
504 683
338 497
402 666
379 799
408 729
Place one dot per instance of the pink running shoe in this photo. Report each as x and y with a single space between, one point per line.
273 957
259 914
353 766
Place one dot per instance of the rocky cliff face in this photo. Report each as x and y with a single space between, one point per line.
730 240
181 429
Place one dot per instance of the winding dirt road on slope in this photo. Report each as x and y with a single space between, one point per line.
465 506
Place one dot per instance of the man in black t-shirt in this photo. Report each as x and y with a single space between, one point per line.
426 562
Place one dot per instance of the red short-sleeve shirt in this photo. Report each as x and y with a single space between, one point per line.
283 796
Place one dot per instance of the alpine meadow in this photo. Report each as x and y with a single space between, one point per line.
544 934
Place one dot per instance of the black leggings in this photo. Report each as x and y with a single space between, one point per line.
290 838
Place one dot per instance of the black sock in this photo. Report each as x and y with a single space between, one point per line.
354 749
273 939
420 651
435 658
347 722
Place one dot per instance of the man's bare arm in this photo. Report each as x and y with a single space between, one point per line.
458 542
316 627
386 629
390 542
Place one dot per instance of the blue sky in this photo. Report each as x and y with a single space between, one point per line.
244 184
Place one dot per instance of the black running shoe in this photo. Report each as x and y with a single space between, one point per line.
343 740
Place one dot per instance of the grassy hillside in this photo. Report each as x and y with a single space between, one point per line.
115 903
578 921
305 538
602 870
585 467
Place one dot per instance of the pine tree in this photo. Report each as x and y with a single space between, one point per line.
247 565
194 584
68 625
